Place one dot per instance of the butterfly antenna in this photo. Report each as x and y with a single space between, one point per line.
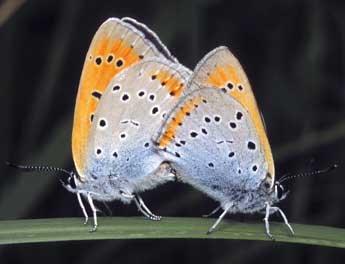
29 168
304 174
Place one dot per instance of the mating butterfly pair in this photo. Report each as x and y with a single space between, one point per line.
142 119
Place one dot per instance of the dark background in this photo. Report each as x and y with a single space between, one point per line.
294 54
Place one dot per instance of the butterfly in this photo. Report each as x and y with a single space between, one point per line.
216 141
129 83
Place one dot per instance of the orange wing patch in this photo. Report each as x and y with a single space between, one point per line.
227 78
177 121
115 46
171 83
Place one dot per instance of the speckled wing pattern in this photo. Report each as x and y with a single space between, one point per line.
212 144
221 69
116 45
132 109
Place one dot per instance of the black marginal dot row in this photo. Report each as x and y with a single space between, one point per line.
119 62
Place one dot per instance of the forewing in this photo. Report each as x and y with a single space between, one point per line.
115 46
221 69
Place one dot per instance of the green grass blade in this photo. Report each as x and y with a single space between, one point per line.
67 229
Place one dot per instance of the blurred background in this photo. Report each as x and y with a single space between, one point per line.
294 54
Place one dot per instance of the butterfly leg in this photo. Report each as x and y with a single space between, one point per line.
137 203
218 220
213 212
284 218
153 216
266 220
94 211
82 208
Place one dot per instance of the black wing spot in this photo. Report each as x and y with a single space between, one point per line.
147 144
211 165
177 155
153 77
116 88
141 93
155 110
123 135
110 58
125 97
193 134
98 60
102 123
183 142
217 119
207 119
204 131
251 145
98 151
239 115
119 63
240 87
115 155
231 154
255 168
141 57
239 171
96 94
152 97
232 125
91 117
230 85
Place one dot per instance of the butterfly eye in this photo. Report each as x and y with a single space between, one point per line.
71 181
279 191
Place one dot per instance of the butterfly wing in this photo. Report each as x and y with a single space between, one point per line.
211 142
132 109
221 69
115 46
